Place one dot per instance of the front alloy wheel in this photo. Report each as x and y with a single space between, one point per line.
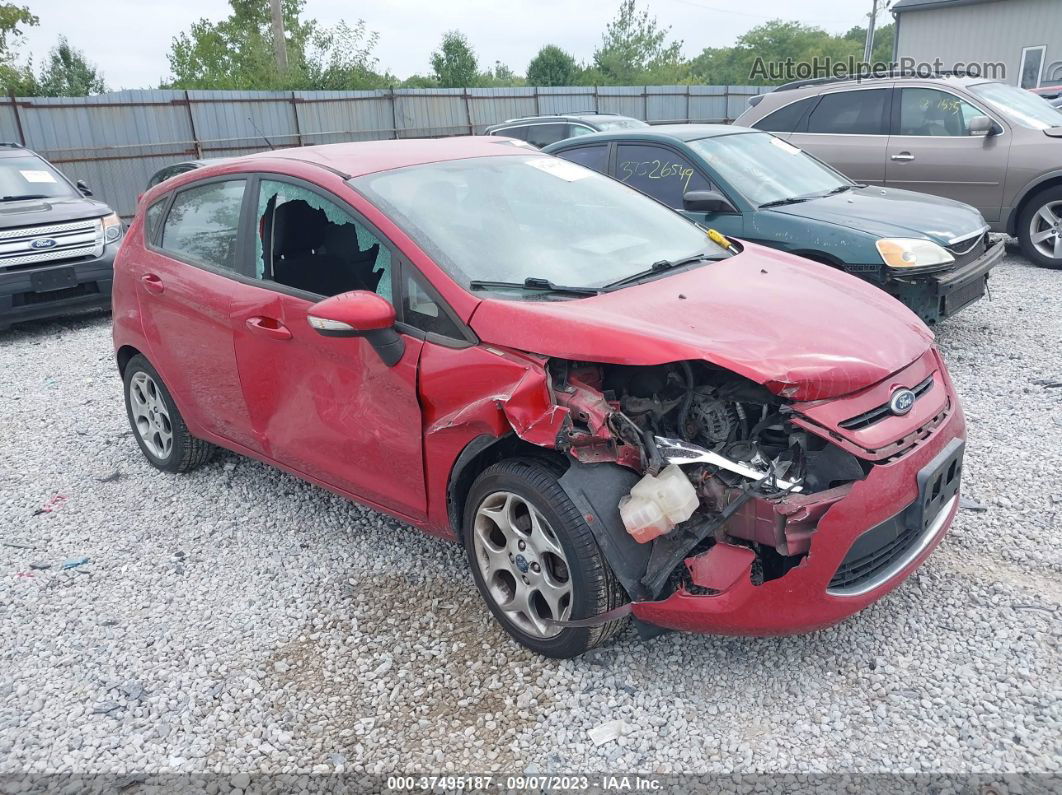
535 560
1040 229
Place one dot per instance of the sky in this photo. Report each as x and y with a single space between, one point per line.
128 39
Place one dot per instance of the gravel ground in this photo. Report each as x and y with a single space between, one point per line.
237 619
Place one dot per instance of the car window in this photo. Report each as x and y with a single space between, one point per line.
513 132
510 218
926 111
545 134
595 157
151 219
766 169
658 172
850 113
31 177
579 129
422 311
310 243
1019 106
202 223
786 119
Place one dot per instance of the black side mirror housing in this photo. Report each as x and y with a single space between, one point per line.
706 201
85 190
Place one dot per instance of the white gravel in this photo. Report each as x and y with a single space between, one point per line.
237 619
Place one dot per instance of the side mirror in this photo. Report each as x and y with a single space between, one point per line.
360 313
982 125
706 201
81 186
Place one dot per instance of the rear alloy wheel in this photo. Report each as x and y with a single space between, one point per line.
1040 228
535 560
157 424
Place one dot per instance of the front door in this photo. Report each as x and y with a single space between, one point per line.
327 407
932 151
184 290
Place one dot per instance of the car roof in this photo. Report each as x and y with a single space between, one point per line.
357 158
12 149
816 85
676 132
589 116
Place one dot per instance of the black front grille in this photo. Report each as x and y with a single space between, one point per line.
884 545
966 251
879 547
878 413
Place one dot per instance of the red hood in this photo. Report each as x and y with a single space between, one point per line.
804 330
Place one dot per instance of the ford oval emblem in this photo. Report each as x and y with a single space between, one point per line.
902 401
43 242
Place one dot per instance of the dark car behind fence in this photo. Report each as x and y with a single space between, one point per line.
116 141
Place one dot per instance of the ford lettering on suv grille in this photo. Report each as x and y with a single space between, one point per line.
35 244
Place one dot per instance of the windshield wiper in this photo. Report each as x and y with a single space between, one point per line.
790 200
657 267
21 197
838 189
533 283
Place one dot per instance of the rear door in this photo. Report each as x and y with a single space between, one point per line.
185 292
849 130
932 151
327 407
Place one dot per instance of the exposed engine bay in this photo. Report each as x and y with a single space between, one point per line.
721 463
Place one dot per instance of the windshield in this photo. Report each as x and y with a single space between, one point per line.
619 124
765 169
508 219
30 177
1020 106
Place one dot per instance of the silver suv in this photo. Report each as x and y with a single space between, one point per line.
985 143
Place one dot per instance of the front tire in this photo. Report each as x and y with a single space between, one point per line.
1040 228
533 557
158 426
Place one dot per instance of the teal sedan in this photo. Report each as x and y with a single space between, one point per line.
932 254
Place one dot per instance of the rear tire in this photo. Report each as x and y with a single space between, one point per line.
158 426
530 549
1040 228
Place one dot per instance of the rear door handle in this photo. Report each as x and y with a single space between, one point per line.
152 283
903 156
269 327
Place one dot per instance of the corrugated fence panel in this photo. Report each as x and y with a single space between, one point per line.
566 99
327 117
229 122
431 113
491 105
116 141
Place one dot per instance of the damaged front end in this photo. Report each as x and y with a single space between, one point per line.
721 464
705 489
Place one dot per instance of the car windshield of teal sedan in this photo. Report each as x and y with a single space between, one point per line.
509 219
1020 106
765 169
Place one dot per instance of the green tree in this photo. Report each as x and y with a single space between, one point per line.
552 66
454 63
13 77
342 58
635 49
67 73
883 38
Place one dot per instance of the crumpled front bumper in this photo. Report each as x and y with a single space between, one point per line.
938 296
801 600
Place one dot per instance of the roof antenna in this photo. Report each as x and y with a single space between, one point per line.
262 134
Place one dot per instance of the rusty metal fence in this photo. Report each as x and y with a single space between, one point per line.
116 141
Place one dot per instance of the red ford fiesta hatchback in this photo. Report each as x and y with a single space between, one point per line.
614 414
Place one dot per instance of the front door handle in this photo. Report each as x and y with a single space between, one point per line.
269 327
903 156
152 283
